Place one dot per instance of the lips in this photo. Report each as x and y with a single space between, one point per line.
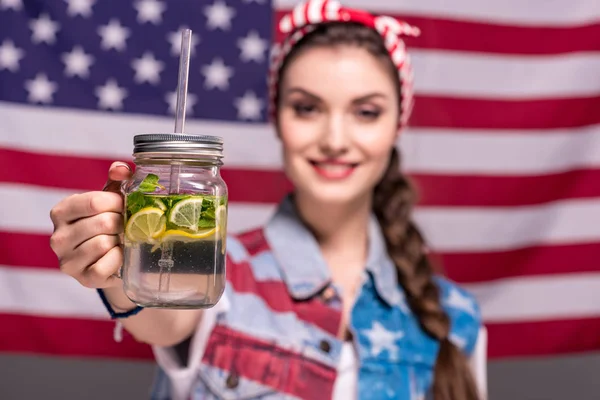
333 169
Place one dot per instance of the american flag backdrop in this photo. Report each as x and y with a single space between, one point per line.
504 144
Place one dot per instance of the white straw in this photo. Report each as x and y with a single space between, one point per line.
182 83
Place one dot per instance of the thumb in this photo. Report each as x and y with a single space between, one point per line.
118 172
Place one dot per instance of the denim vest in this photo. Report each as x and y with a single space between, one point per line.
278 338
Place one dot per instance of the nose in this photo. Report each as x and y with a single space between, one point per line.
334 140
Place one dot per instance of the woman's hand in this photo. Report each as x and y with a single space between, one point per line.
87 229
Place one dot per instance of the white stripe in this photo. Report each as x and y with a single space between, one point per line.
532 12
299 16
493 76
500 152
47 292
444 151
314 11
104 134
25 209
539 298
465 229
519 299
332 10
250 313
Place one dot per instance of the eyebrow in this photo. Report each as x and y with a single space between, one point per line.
360 99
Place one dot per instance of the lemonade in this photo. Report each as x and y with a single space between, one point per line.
178 241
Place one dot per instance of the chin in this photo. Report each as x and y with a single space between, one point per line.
333 193
334 196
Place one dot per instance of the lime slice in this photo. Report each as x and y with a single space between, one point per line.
183 236
146 225
186 213
159 204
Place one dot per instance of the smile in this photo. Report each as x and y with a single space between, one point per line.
333 169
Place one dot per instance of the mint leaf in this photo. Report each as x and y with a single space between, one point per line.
209 213
208 208
135 202
171 200
206 223
151 178
150 183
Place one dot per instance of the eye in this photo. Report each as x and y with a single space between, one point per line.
304 109
368 113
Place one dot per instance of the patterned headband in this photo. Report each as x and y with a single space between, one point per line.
305 16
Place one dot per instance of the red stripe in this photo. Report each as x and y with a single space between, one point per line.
27 250
277 298
446 112
446 34
470 267
267 364
67 337
81 174
241 184
503 39
494 191
543 338
68 172
275 293
530 261
254 241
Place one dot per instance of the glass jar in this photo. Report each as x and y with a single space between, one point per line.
175 222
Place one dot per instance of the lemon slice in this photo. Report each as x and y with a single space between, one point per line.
146 225
183 236
221 215
186 213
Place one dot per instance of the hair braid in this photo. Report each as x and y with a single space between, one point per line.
393 201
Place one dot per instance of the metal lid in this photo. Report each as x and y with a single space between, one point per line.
178 143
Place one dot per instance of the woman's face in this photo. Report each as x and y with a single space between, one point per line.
338 121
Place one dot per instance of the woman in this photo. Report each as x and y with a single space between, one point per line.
335 297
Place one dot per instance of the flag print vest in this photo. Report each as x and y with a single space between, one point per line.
277 338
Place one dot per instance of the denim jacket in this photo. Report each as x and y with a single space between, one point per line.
277 338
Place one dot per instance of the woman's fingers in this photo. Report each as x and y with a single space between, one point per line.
95 261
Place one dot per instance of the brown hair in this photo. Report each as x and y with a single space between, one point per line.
393 201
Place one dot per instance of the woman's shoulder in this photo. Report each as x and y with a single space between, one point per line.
464 313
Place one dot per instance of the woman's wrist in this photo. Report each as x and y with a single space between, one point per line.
117 303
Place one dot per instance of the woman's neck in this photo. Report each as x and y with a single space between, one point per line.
340 229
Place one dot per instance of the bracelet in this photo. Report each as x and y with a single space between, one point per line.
112 312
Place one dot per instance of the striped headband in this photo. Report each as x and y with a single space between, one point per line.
304 18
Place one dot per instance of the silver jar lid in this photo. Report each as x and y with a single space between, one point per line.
178 143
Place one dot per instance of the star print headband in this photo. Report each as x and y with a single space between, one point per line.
307 15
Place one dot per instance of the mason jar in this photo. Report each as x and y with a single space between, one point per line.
175 222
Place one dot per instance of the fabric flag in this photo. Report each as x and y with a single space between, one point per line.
504 145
